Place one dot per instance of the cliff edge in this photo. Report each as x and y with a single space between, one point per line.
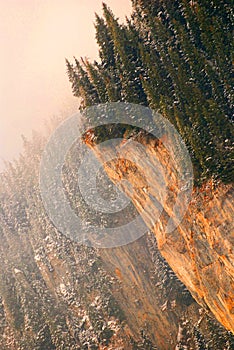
200 250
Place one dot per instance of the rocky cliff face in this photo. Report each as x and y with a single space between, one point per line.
200 250
57 294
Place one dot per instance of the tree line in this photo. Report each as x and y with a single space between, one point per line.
175 57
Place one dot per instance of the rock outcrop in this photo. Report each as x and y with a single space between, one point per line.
58 294
200 250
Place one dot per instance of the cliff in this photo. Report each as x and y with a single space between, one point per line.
200 250
57 294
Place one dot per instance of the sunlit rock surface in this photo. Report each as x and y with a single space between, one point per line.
200 250
58 294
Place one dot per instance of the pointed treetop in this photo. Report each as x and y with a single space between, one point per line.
108 14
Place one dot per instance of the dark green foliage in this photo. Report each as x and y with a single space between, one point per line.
175 57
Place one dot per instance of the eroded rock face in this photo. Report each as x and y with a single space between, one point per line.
200 250
58 294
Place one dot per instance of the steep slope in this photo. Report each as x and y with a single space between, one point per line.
56 294
200 250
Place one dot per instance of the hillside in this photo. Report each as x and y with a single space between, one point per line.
168 288
58 294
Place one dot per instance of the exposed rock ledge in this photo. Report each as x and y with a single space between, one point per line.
200 250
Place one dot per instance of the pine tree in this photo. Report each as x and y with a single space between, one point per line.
97 79
127 58
176 58
109 69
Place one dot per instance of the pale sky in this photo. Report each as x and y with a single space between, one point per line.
35 38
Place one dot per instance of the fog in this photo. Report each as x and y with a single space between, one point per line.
35 38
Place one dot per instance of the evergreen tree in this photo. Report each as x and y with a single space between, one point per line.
127 58
97 79
109 69
176 58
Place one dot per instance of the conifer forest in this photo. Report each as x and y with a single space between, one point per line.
162 291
